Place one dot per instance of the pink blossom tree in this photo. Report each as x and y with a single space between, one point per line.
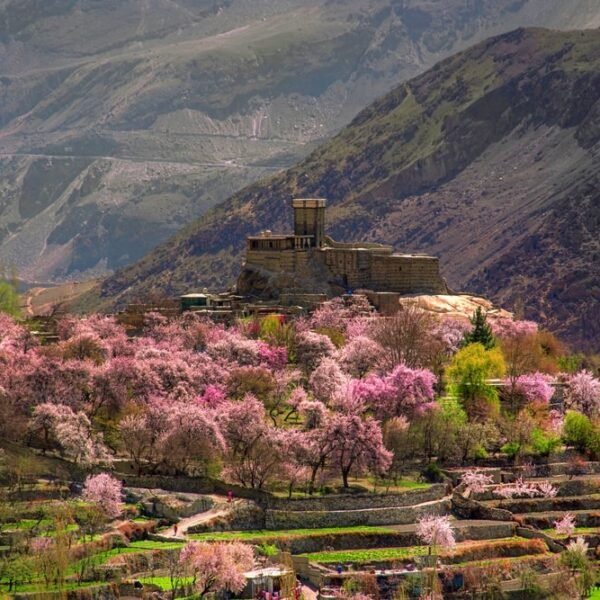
504 327
192 440
234 348
332 314
357 445
254 454
451 333
326 379
566 525
311 348
360 355
408 391
403 392
532 387
476 481
583 394
105 491
524 489
313 413
212 397
273 357
71 432
436 532
217 567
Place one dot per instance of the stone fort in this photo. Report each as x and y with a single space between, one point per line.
307 261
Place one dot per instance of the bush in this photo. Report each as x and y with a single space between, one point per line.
544 443
432 473
511 449
268 550
578 430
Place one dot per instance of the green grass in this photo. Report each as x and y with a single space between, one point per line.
134 548
286 533
363 556
578 531
367 484
164 582
26 524
40 587
151 545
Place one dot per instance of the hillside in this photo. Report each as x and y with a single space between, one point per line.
489 160
124 120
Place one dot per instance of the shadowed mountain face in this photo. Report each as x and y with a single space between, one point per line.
123 120
489 160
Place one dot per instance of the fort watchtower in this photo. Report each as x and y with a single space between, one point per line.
309 219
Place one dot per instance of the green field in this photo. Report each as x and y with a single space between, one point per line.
363 556
263 534
578 531
165 582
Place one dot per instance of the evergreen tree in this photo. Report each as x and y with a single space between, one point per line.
481 332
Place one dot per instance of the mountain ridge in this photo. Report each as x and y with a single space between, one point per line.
496 138
128 119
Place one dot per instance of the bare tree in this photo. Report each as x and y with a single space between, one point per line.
408 337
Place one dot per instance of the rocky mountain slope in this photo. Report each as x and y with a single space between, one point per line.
489 160
122 120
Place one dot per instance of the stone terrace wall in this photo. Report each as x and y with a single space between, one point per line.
191 485
280 519
347 540
358 501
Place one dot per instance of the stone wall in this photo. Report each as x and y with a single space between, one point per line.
406 274
281 519
347 540
242 517
557 504
358 501
99 592
468 508
191 485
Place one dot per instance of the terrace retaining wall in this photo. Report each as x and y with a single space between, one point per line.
280 519
383 539
100 592
358 501
192 485
468 508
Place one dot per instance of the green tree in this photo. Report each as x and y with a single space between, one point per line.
9 299
470 369
481 332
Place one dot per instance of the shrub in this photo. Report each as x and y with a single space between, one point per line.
432 473
544 443
268 550
511 449
578 430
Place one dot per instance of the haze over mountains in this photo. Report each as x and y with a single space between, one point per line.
490 160
122 120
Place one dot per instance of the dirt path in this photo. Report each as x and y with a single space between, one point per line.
309 593
221 509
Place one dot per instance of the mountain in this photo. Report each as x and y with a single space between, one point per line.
490 160
123 120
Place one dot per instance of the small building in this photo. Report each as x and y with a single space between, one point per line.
267 579
194 302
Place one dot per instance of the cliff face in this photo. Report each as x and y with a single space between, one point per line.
124 120
488 160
